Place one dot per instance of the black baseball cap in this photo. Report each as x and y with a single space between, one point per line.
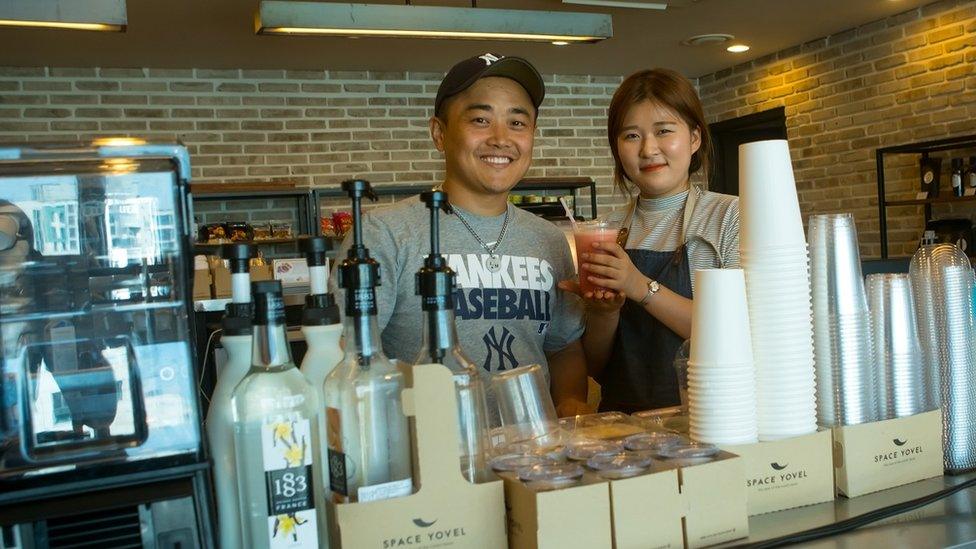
467 72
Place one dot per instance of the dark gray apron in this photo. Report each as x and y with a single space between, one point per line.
640 373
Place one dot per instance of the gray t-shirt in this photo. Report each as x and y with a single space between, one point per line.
505 319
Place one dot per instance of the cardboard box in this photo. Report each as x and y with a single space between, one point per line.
261 272
221 278
447 511
291 272
714 501
201 284
638 524
670 507
783 474
571 518
884 454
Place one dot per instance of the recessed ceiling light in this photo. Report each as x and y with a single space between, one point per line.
737 48
560 43
707 39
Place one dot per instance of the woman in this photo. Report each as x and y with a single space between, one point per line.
659 139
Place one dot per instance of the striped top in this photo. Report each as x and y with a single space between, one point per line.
712 235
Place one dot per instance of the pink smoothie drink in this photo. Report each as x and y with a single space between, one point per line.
586 234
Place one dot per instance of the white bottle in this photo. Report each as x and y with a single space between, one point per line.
322 328
236 340
276 438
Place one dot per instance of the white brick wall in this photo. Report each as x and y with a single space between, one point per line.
314 128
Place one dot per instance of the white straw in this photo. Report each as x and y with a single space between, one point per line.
569 214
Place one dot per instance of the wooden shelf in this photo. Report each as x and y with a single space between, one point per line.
255 242
936 200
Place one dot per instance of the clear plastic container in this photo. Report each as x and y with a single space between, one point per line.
551 476
689 453
507 463
653 442
620 465
604 426
582 450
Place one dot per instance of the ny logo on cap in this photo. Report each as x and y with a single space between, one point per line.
489 58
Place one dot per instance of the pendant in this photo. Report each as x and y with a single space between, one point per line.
494 263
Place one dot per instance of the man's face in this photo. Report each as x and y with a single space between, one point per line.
486 134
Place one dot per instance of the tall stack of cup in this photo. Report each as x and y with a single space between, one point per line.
902 382
847 390
942 279
773 253
721 374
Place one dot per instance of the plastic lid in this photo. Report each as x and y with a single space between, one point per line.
314 248
269 307
652 441
686 450
619 465
534 448
515 462
551 472
583 450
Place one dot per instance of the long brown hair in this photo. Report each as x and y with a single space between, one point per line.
666 88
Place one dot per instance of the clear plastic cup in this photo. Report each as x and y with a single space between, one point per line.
585 234
525 405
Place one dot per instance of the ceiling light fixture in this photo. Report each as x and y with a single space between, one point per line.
737 48
707 39
637 4
406 21
90 15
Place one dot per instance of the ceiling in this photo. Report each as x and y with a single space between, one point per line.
219 34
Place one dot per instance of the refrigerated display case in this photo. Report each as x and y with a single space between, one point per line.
97 366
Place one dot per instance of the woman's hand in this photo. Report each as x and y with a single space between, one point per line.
613 269
599 301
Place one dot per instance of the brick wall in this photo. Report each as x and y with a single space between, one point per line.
907 78
314 128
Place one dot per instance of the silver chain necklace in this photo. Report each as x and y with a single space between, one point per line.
494 260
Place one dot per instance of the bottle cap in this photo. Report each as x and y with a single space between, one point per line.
269 307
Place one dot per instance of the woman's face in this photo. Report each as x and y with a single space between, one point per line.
655 147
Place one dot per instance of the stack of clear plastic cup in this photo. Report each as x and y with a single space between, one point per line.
721 375
847 386
526 408
942 279
902 383
773 254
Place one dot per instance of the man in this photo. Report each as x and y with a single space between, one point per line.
509 311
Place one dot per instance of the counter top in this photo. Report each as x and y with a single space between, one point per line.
947 522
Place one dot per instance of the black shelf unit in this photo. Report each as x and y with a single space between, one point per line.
301 196
571 184
921 148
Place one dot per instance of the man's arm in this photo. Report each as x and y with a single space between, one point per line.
567 371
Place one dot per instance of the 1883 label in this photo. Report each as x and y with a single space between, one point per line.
289 490
288 464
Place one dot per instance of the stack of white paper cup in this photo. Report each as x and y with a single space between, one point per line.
847 381
721 375
773 253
